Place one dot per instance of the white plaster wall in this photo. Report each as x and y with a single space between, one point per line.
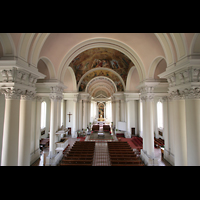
71 107
133 116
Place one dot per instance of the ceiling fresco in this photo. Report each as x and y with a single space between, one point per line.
102 72
101 58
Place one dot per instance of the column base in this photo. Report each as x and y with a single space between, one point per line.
127 135
148 160
74 135
54 160
169 157
34 156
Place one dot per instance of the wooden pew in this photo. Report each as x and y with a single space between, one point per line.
80 155
126 161
95 128
77 159
127 165
122 158
122 155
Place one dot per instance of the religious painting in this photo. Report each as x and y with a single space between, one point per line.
101 58
101 110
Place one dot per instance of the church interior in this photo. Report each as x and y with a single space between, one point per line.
99 99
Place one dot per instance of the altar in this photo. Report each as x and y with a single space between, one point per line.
101 123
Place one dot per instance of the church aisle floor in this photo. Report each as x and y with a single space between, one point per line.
101 154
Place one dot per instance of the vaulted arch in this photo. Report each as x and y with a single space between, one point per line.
102 42
180 45
24 45
102 71
168 50
50 67
153 66
7 45
101 83
195 45
30 45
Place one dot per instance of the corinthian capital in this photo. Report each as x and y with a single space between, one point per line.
28 95
55 97
12 93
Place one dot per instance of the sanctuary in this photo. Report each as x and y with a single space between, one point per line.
56 86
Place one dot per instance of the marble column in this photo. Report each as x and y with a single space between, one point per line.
128 119
84 114
165 127
143 125
113 113
171 131
89 112
122 111
74 117
148 128
25 129
11 127
192 106
116 113
59 113
80 108
53 124
38 125
64 113
180 148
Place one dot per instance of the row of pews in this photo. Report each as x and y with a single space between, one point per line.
138 142
121 154
106 128
81 154
158 142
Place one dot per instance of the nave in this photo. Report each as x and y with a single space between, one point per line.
144 85
101 152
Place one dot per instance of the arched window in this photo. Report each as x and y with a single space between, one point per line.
43 114
160 114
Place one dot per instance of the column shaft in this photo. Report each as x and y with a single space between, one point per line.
84 114
24 132
80 115
180 148
53 126
116 113
149 127
193 131
11 129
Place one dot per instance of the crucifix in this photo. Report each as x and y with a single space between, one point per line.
69 116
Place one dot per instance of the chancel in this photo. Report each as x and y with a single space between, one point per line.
93 99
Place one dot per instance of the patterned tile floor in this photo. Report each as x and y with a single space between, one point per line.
101 154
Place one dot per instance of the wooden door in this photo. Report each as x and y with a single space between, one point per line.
69 132
132 131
